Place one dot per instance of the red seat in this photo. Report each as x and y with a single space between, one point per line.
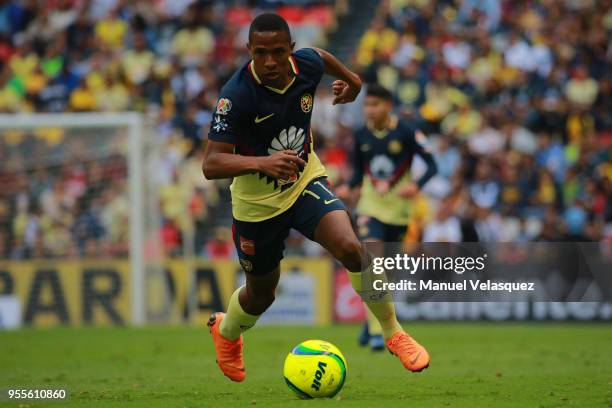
293 14
322 15
238 16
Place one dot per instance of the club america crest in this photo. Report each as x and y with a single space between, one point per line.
306 103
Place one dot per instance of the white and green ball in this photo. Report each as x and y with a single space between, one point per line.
315 369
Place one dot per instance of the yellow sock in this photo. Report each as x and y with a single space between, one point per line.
383 311
236 320
373 324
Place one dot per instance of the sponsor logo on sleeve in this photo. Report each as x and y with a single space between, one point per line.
223 106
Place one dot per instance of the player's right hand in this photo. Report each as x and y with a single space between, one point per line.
281 165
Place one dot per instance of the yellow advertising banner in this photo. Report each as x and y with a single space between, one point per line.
98 292
69 292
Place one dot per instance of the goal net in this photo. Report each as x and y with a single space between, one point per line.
80 220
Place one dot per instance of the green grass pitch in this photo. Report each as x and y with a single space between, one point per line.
473 365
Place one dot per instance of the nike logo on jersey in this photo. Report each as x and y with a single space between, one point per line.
259 120
330 201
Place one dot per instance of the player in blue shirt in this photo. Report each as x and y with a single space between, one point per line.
382 158
260 135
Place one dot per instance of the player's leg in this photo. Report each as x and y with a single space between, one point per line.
382 232
320 216
260 248
335 233
248 303
371 230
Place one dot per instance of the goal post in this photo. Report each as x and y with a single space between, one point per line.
132 124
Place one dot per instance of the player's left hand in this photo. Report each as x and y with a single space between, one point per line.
344 92
409 190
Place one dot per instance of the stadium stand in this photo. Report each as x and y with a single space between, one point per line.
521 125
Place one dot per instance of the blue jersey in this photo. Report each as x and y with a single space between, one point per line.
260 120
385 156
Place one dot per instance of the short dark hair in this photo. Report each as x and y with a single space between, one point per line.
269 22
379 91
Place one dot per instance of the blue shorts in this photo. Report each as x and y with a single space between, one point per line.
372 228
260 245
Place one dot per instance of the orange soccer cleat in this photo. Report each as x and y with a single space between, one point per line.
229 353
412 355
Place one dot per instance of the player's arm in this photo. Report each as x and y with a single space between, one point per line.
421 149
348 83
226 131
348 190
220 162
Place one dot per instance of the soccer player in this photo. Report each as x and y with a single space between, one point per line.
260 135
382 157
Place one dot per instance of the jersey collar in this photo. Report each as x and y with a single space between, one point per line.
294 69
381 133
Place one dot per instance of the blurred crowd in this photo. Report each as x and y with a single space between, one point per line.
64 193
514 96
516 99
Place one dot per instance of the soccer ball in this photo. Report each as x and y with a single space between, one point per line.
315 369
